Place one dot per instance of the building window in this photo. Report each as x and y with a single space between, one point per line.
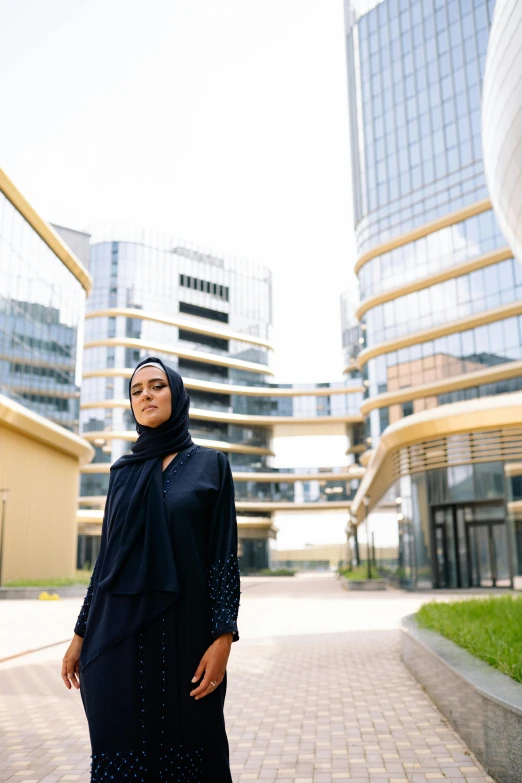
203 312
206 286
407 408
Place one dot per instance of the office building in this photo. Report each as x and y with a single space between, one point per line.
440 292
210 317
502 141
43 286
502 120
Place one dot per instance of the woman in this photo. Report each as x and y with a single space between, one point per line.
152 641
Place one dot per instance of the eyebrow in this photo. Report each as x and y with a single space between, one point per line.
151 380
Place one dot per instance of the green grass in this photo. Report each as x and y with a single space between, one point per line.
488 628
81 578
360 572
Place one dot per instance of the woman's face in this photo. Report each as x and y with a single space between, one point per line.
151 397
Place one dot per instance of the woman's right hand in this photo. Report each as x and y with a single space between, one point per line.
71 663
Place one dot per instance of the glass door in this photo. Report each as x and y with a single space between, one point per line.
470 547
482 569
444 547
489 554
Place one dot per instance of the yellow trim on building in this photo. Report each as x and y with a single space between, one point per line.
365 457
24 421
96 515
202 414
422 231
359 448
220 445
513 469
500 412
267 478
189 326
499 372
45 232
92 500
426 282
259 477
195 356
229 388
89 523
514 508
319 505
255 522
441 330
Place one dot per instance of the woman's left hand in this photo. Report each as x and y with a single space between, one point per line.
213 665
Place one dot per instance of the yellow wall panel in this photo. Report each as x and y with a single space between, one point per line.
40 531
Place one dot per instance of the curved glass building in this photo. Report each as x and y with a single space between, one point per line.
502 140
43 286
42 305
440 293
209 317
502 119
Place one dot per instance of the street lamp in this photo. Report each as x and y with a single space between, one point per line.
366 501
3 496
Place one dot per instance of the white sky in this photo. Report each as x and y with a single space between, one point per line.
224 124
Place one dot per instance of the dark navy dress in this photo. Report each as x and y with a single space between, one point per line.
143 724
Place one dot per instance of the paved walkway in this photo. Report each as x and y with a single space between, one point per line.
316 694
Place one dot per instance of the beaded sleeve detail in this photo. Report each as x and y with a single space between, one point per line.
223 578
81 623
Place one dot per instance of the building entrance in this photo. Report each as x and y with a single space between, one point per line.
470 547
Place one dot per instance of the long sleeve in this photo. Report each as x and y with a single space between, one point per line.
79 628
223 574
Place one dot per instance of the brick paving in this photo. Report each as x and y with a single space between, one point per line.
315 707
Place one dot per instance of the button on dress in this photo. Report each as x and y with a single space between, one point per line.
143 724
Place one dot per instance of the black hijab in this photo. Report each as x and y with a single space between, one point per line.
135 577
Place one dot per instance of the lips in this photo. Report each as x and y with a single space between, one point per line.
149 407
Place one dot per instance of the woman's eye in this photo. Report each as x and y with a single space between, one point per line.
159 386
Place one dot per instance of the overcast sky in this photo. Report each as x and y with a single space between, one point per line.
224 124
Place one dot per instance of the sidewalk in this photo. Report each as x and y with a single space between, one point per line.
316 694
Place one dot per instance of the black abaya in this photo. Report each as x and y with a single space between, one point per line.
144 725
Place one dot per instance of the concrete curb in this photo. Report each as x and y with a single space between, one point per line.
483 705
363 584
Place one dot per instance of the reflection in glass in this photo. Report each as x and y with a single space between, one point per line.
41 308
451 300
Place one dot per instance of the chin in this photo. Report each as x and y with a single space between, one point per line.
153 421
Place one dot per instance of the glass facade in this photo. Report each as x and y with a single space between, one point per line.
203 315
454 532
415 72
501 127
380 418
442 249
301 491
352 339
41 315
459 297
165 281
